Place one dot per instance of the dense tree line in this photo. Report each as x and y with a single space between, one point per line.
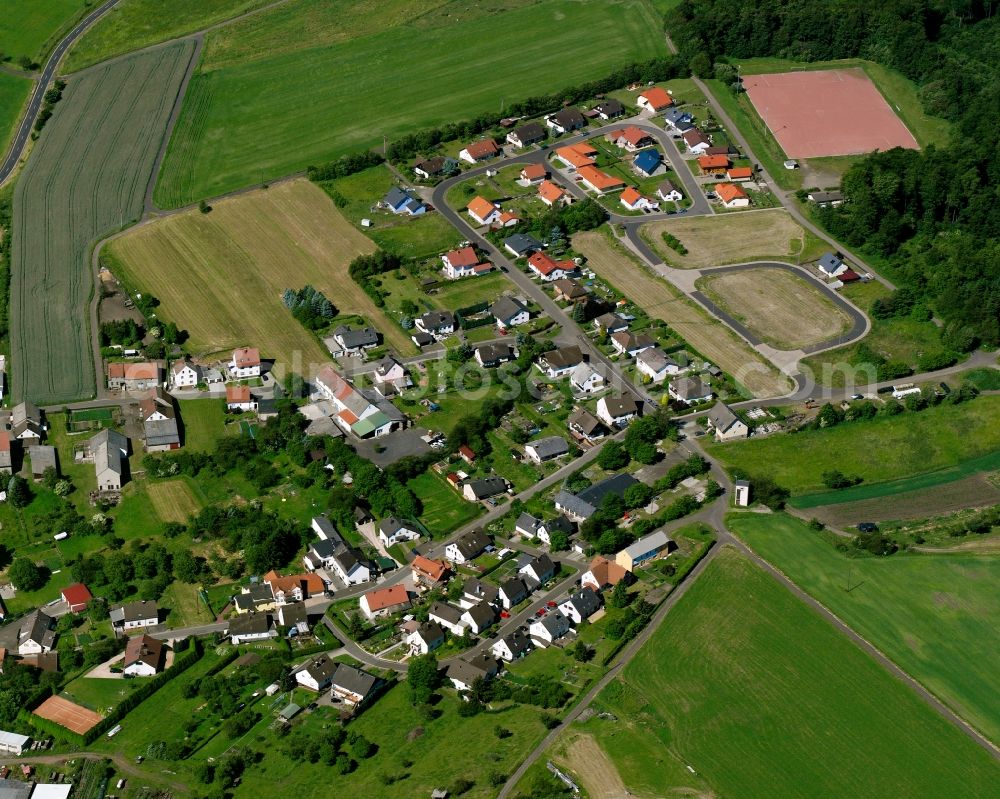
344 166
933 213
5 233
366 268
121 331
309 306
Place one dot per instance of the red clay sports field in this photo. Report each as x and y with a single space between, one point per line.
826 112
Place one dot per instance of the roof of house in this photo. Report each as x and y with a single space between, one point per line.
466 256
585 601
534 171
530 131
564 357
37 627
548 190
429 631
648 160
161 432
522 243
528 522
467 452
236 394
382 598
514 589
667 187
432 166
610 321
477 588
156 400
555 623
585 421
246 357
109 448
624 405
606 572
694 137
507 308
482 148
830 262
834 196
145 370
598 179
610 107
540 564
544 264
549 447
847 276
730 191
517 642
292 613
481 207
473 542
616 484
569 288
495 352
351 338
141 610
308 583
577 155
709 162
630 196
486 487
435 569
722 417
740 172
479 668
249 624
76 594
43 456
321 669
391 525
654 359
438 319
144 649
482 614
445 612
690 388
657 97
568 118
583 373
653 541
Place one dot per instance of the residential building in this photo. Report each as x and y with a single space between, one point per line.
551 194
527 134
424 638
823 198
668 192
254 598
560 362
392 530
353 686
537 570
740 173
448 616
402 201
484 488
439 324
110 451
690 390
184 374
648 163
599 182
76 597
581 506
464 673
831 265
512 646
482 211
356 412
725 424
467 547
586 379
520 245
294 587
350 566
479 617
548 268
731 195
135 615
36 634
558 524
581 605
239 398
585 426
655 364
632 200
630 344
251 627
549 628
696 141
464 262
490 356
428 572
133 376
533 174
576 156
158 415
317 674
631 138
512 592
643 550
566 120
677 120
354 342
144 657
439 165
527 525
610 323
568 290
385 601
546 449
245 363
475 591
617 411
509 311
654 100
610 108
603 574
390 376
43 457
712 163
477 151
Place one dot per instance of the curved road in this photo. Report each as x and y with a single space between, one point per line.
17 145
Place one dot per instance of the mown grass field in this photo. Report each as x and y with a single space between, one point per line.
172 500
885 448
221 275
660 300
32 27
204 423
770 235
14 92
86 176
763 698
266 117
444 508
783 309
934 615
134 24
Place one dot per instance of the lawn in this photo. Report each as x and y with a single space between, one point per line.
100 695
86 176
205 268
173 500
721 239
14 91
444 508
885 448
185 606
204 423
785 310
934 615
661 300
134 24
248 120
755 678
32 27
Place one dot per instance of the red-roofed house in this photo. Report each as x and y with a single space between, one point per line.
76 597
848 276
482 211
630 138
238 398
740 173
384 601
732 196
245 363
712 163
548 269
534 173
598 181
428 572
634 201
550 194
464 263
480 151
133 376
294 587
577 155
466 453
507 219
654 100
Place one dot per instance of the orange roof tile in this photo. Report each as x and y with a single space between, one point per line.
630 196
463 257
237 393
577 155
728 192
480 207
434 569
709 162
657 98
549 191
534 171
740 172
598 179
482 149
246 357
382 598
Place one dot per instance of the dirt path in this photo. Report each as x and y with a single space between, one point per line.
600 778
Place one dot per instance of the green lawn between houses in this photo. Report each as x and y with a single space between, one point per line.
762 698
444 508
934 615
885 448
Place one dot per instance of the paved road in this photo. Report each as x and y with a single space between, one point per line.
17 145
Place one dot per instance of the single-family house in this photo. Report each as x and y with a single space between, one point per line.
464 262
617 412
144 656
551 194
133 376
294 587
392 530
254 598
448 616
464 673
527 134
239 398
36 634
428 572
355 342
668 192
568 290
184 374
603 574
110 451
490 356
823 198
438 324
352 685
158 415
527 525
134 615
512 592
725 424
512 646
466 454
484 488
479 617
586 379
510 311
437 166
647 163
385 601
482 211
566 120
25 424
712 163
548 269
576 156
581 605
402 201
537 570
696 141
655 364
520 245
351 566
533 174
677 119
424 637
584 426
732 196
546 449
631 344
467 547
610 108
560 362
634 201
740 173
831 265
475 591
477 151
76 597
251 627
610 323
294 615
690 390
317 674
599 182
630 138
644 549
549 628
245 363
43 457
390 376
654 100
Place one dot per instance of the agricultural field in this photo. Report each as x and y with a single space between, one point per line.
660 300
250 120
14 93
791 729
721 239
204 268
931 614
29 28
134 24
935 443
782 309
86 176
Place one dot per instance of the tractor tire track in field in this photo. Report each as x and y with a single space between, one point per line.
87 176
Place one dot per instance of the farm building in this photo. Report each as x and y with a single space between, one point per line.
133 376
109 450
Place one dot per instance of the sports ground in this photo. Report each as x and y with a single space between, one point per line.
70 715
826 112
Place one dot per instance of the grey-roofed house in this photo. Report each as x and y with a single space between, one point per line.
258 596
527 524
392 530
582 506
520 245
617 411
321 554
631 344
584 425
509 312
527 134
610 108
550 627
424 637
351 566
15 789
581 605
656 364
353 341
831 265
467 547
484 488
43 458
317 674
644 549
294 616
110 451
492 355
725 424
559 362
475 590
511 646
669 192
400 201
610 323
546 449
463 673
537 570
479 617
36 634
690 390
566 120
585 379
251 627
134 615
26 422
448 616
436 323
826 197
512 592
437 165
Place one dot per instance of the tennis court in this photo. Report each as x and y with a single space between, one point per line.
70 715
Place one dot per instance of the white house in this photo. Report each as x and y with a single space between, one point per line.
581 605
511 647
439 324
513 592
585 379
690 390
463 262
482 211
464 673
239 398
617 411
668 192
143 657
731 195
549 269
630 344
654 100
110 451
479 617
392 530
424 638
251 627
467 547
546 449
389 375
350 567
655 364
634 201
479 151
317 675
245 363
550 627
696 141
384 601
352 685
538 570
831 265
134 615
36 634
560 362
725 424
509 312
184 374
448 616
